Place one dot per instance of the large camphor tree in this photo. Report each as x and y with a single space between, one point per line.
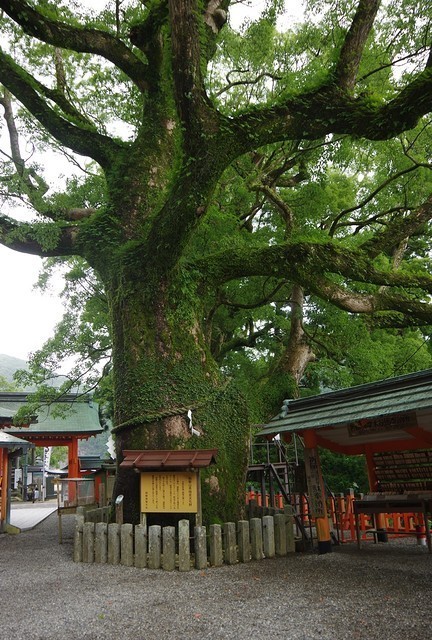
138 89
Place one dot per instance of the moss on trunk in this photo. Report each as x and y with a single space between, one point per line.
162 369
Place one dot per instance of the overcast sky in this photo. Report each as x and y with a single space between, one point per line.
27 316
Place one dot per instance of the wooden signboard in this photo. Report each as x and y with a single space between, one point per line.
169 492
315 484
382 424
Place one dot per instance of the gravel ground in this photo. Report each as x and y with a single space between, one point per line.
379 593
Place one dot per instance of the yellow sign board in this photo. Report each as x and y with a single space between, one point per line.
165 492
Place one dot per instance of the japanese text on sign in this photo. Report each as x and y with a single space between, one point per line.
175 492
314 482
381 424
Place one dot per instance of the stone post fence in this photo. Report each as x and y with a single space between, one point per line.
180 548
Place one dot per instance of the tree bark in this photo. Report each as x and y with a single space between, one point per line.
162 370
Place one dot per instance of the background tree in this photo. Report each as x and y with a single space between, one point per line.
173 132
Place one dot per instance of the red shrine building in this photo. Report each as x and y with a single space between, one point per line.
64 422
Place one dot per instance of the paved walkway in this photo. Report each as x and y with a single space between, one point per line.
26 515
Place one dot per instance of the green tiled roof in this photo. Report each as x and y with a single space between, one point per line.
82 416
407 393
7 441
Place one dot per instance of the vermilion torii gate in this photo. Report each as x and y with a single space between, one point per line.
393 415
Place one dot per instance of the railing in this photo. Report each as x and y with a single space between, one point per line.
341 514
394 524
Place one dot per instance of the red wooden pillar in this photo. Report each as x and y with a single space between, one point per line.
316 493
371 472
380 523
73 461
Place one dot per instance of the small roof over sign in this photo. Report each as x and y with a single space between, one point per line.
150 460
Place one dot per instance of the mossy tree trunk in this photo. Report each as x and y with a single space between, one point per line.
162 370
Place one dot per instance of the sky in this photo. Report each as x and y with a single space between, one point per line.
28 317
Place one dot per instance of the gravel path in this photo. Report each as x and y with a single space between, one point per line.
382 592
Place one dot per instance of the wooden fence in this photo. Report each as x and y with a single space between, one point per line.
171 548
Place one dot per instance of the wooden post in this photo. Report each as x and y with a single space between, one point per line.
78 539
379 518
289 528
200 548
256 539
73 460
268 536
88 542
4 487
198 516
316 493
60 527
113 543
263 491
280 537
371 471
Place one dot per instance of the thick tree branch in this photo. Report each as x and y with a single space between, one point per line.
298 352
285 210
44 240
215 15
31 183
328 110
84 141
17 158
80 39
355 41
195 110
370 303
311 265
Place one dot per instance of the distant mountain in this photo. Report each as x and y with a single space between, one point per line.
9 364
95 446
